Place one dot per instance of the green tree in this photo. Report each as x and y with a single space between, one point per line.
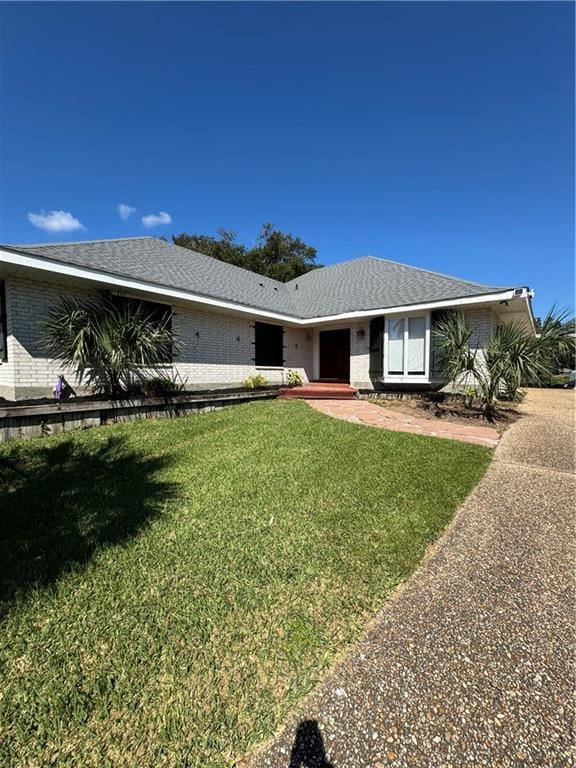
223 247
276 254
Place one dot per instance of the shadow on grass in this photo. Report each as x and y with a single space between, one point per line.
60 503
308 749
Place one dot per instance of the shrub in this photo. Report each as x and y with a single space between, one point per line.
256 382
294 379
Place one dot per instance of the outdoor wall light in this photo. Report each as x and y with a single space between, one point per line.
360 333
308 337
197 334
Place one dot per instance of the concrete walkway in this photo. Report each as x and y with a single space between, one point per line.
374 415
472 662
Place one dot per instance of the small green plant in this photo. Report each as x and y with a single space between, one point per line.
294 379
256 382
469 395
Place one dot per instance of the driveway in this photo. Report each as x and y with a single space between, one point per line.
472 662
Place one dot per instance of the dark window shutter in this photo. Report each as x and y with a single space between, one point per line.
269 344
435 355
376 348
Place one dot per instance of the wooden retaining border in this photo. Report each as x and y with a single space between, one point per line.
26 421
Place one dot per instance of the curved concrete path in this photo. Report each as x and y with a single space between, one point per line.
472 662
364 412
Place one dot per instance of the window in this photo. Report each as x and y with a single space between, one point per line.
406 346
416 345
152 309
158 313
396 346
3 328
269 343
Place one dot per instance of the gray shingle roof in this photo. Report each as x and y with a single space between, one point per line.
373 283
360 284
153 260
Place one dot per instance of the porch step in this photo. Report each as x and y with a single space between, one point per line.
319 391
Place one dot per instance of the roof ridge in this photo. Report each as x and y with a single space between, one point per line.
81 242
222 261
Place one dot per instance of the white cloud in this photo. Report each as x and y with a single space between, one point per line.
124 211
154 219
55 221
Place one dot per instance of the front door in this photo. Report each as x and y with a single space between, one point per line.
335 355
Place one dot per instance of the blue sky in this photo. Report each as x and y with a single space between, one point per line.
436 134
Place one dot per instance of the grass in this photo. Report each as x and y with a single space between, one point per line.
171 588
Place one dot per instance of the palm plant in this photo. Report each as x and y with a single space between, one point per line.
556 346
513 359
109 344
510 358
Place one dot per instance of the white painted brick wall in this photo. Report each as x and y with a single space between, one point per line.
481 321
217 349
360 355
28 372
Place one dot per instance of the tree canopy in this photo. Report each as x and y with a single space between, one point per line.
276 254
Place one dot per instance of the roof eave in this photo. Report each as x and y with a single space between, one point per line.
16 258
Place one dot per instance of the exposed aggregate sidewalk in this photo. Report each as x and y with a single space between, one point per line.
472 662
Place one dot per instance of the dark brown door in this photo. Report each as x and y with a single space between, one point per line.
335 355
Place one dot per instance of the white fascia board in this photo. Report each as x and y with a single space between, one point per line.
486 298
106 278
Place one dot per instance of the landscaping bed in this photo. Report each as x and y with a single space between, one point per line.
171 588
452 409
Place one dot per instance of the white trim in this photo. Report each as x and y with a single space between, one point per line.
485 298
83 273
528 296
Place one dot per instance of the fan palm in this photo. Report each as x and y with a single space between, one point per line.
110 345
510 358
556 346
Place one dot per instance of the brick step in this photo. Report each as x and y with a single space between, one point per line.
318 391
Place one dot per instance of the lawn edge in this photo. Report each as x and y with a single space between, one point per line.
343 656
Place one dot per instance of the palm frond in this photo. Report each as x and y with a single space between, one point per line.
111 346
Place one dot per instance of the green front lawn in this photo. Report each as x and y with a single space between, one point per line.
171 588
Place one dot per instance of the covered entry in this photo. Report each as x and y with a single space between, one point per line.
335 355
